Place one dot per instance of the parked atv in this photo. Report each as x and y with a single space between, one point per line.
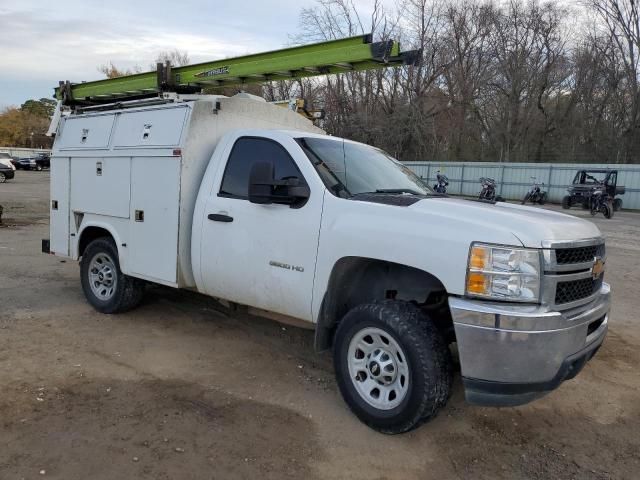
535 193
586 182
488 191
601 202
442 182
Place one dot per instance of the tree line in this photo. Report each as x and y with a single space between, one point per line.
510 81
25 126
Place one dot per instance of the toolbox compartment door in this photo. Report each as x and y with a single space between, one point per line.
86 132
153 233
59 206
150 128
100 185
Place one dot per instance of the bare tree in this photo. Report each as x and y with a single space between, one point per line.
622 24
513 80
176 57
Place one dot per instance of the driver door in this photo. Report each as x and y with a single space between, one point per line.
260 255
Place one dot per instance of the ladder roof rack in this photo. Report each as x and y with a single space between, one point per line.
335 56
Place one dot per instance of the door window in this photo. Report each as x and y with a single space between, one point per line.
246 152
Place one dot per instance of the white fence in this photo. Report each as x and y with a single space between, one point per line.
514 179
23 152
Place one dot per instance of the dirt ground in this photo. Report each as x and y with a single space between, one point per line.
181 389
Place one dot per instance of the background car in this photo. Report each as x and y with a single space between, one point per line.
5 157
7 170
38 162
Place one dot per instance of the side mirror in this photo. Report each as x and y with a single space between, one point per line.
261 183
264 189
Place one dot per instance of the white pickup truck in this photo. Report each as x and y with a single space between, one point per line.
250 203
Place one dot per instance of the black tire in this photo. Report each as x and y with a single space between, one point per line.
128 291
543 198
526 198
3 177
39 168
566 202
427 355
607 209
617 204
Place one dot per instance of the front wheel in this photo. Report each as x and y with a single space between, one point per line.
392 365
106 288
39 168
3 177
526 198
607 209
566 202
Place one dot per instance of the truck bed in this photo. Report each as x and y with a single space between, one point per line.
136 172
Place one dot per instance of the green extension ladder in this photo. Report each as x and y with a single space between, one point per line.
336 56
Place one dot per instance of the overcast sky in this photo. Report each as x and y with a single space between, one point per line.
42 42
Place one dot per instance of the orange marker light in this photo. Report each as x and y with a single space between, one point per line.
477 283
479 258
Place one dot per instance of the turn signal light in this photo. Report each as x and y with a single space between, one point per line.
479 258
477 283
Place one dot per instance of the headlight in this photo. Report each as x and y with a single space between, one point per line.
503 273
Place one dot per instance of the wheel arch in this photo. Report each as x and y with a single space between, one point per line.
94 230
357 280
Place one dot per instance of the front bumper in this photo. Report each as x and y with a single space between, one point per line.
512 354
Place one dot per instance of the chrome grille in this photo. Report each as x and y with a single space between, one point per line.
565 256
568 272
567 292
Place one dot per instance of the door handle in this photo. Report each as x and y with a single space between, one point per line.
220 217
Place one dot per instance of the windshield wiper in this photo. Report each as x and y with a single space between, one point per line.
398 190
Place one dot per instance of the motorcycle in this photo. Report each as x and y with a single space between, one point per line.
601 202
488 192
442 183
535 193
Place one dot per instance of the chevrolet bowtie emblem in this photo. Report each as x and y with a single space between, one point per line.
598 268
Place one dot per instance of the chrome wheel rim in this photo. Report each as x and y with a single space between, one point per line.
103 277
378 368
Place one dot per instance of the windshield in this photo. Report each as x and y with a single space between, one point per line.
349 169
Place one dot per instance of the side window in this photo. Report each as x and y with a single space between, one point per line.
246 152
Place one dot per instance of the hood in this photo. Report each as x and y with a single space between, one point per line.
530 225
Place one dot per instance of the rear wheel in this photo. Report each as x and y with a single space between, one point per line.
607 209
617 204
543 198
392 365
566 202
106 288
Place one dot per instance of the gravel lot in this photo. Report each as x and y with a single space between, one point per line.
181 388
